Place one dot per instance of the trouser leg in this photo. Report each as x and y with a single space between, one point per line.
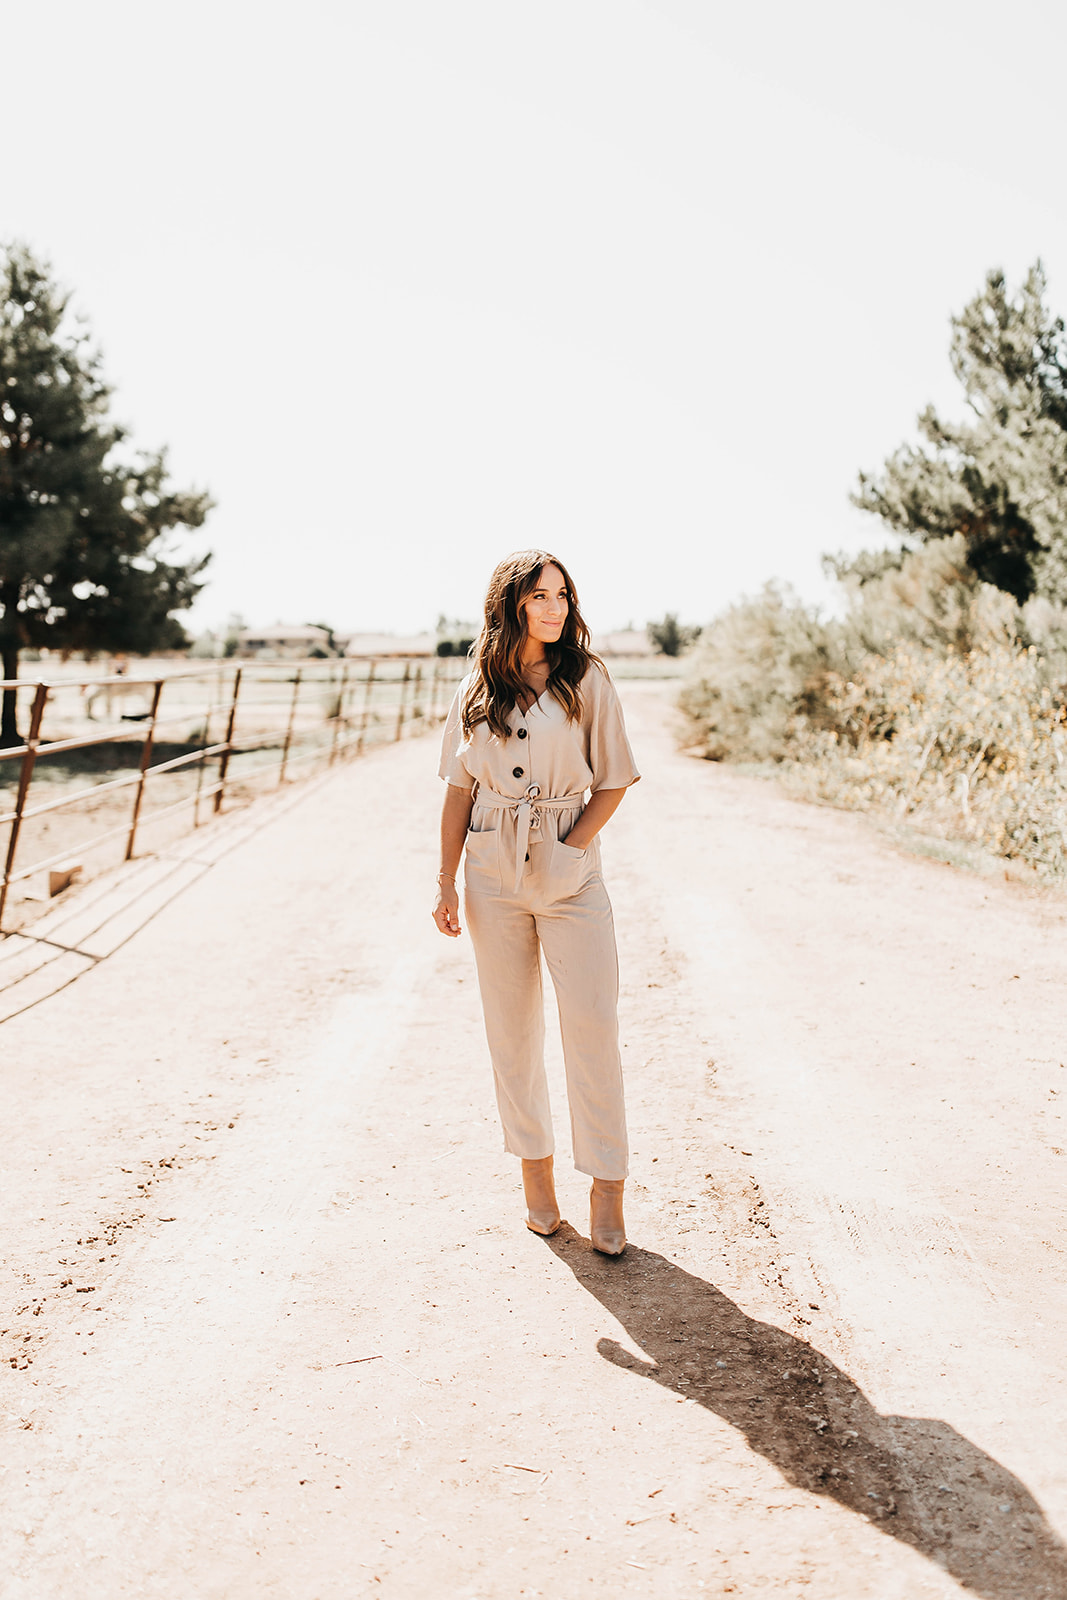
506 950
578 938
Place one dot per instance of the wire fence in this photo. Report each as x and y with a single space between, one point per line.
110 766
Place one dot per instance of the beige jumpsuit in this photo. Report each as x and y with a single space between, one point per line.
527 892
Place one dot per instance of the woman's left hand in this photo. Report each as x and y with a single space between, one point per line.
601 806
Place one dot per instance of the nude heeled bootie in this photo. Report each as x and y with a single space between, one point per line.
606 1227
540 1191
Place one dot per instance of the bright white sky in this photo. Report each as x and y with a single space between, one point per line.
410 284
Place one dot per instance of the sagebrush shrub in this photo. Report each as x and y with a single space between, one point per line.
758 668
973 746
927 699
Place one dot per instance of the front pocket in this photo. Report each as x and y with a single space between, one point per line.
570 869
481 862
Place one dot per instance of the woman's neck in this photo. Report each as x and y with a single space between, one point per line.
535 670
534 659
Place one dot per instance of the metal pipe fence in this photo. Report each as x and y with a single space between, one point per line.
187 739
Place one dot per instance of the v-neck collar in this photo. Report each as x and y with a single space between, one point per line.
533 703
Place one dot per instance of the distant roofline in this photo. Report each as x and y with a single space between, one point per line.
283 630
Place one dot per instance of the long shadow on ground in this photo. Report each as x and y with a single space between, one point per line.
916 1478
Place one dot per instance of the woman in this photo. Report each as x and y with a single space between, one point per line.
535 724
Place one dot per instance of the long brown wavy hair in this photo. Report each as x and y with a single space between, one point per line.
497 683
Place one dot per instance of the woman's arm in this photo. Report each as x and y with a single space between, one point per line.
455 820
601 808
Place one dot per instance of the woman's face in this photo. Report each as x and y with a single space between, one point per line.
546 608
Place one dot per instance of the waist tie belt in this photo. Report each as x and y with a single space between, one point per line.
527 813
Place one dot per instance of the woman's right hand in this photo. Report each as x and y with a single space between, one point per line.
446 910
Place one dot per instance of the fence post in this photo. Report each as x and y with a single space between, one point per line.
403 698
215 690
340 717
366 707
146 759
416 691
289 725
25 774
224 759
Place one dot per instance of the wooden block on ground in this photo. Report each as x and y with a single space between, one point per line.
63 876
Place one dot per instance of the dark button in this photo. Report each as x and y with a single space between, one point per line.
516 772
522 733
527 855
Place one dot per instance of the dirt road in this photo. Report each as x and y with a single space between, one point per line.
273 1326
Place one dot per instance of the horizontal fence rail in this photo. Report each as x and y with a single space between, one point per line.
173 746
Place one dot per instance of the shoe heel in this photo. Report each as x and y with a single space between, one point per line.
542 1212
607 1230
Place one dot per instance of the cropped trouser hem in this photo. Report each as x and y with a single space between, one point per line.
605 1169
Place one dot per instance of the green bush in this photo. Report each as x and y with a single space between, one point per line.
931 598
969 746
670 637
757 676
935 697
761 674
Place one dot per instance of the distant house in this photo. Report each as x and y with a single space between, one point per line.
364 645
282 642
624 642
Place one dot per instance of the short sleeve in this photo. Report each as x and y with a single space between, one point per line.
610 755
451 768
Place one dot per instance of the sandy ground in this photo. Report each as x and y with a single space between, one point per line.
273 1326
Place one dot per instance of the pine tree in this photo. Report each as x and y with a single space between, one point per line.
669 636
83 534
1001 480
